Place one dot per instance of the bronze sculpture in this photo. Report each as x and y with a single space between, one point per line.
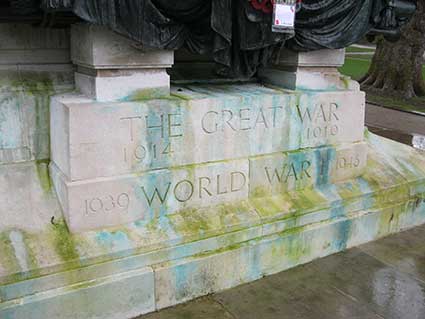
237 32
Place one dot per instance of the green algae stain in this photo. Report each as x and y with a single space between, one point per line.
260 191
345 81
268 206
296 249
350 190
192 223
8 259
294 245
30 241
39 88
150 94
43 174
307 199
181 96
64 242
9 256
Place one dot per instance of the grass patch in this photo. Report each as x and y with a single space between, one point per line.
357 66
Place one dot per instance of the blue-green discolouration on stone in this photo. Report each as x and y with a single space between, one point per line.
265 233
24 110
324 158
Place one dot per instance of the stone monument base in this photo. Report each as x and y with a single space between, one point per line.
45 272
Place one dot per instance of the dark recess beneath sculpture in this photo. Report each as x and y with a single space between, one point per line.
238 35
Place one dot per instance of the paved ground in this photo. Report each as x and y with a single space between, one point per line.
403 122
384 279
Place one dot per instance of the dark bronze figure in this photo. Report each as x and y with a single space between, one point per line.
236 32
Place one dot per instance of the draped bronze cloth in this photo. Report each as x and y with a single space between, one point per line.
238 36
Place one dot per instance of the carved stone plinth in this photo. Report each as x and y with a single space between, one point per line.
317 70
157 201
125 161
111 67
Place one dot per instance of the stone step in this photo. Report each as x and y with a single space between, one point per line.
197 124
112 201
44 268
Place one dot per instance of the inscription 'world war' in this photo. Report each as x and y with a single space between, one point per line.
203 187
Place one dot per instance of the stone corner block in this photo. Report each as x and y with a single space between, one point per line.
308 79
319 58
126 86
26 44
94 140
107 202
124 295
99 48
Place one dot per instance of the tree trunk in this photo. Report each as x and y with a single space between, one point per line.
396 68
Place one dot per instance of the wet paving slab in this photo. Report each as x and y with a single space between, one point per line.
382 279
394 120
202 308
405 252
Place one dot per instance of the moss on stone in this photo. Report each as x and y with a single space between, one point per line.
191 222
267 206
150 94
64 242
345 81
8 259
44 175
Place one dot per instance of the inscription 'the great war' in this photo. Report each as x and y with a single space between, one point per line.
155 137
144 136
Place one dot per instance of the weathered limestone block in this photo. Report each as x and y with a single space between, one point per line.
123 295
24 109
98 48
24 199
181 281
44 268
98 203
124 84
319 58
317 70
146 197
34 64
198 124
190 278
111 67
25 44
283 172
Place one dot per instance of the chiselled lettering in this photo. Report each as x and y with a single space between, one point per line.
185 190
289 171
203 187
243 119
156 193
107 204
167 125
319 113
